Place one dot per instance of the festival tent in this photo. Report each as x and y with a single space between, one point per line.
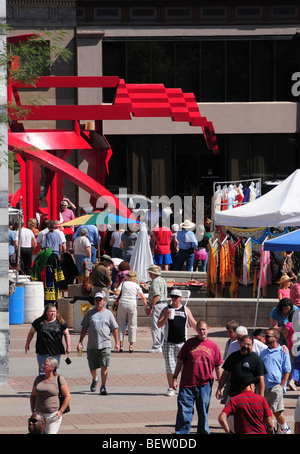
288 242
278 208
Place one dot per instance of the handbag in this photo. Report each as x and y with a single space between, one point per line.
116 303
61 396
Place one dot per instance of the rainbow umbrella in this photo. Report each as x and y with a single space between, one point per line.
100 218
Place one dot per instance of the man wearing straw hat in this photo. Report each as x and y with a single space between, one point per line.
157 300
187 243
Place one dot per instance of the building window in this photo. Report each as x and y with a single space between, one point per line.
107 13
237 71
278 12
248 13
232 70
178 13
80 13
213 13
142 13
212 71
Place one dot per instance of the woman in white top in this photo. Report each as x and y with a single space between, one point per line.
129 292
82 250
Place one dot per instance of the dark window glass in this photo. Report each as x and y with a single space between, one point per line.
117 177
237 53
187 67
138 62
287 62
212 72
114 64
162 62
262 71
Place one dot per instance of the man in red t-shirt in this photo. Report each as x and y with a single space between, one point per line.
162 252
198 358
251 412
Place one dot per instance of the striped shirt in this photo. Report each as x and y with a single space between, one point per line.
249 411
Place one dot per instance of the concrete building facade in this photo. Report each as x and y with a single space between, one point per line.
240 60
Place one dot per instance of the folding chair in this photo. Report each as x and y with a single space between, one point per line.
186 295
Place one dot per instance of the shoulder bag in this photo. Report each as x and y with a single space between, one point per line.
61 397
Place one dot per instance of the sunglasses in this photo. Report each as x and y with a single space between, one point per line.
33 420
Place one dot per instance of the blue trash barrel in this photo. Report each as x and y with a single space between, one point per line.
16 306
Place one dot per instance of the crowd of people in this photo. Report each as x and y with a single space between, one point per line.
172 247
252 374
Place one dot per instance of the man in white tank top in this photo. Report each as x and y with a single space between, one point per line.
175 332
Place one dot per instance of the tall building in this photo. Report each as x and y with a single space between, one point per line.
241 59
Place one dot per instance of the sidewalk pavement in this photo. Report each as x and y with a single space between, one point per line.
136 402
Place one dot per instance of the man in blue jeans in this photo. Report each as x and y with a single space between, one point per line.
198 358
187 243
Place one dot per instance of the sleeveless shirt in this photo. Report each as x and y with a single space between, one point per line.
177 328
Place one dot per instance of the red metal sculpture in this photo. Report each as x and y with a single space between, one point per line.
50 148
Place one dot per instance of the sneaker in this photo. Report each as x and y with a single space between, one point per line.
283 430
287 430
292 385
103 391
170 392
155 350
93 385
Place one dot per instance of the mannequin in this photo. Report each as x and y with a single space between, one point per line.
252 192
218 198
231 196
240 195
224 198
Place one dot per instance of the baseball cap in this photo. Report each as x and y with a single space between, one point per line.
176 293
99 295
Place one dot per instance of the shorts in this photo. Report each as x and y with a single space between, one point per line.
162 259
98 358
170 352
274 398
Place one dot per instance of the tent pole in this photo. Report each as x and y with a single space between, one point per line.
259 281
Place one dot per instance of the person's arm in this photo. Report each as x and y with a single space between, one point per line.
273 323
268 422
154 301
81 337
67 336
223 379
261 385
176 373
191 320
33 242
116 338
163 318
32 399
223 422
218 370
144 299
284 379
70 203
30 335
88 251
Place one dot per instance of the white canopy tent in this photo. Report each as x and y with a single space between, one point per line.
278 208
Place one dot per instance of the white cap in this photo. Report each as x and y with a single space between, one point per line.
176 293
99 295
